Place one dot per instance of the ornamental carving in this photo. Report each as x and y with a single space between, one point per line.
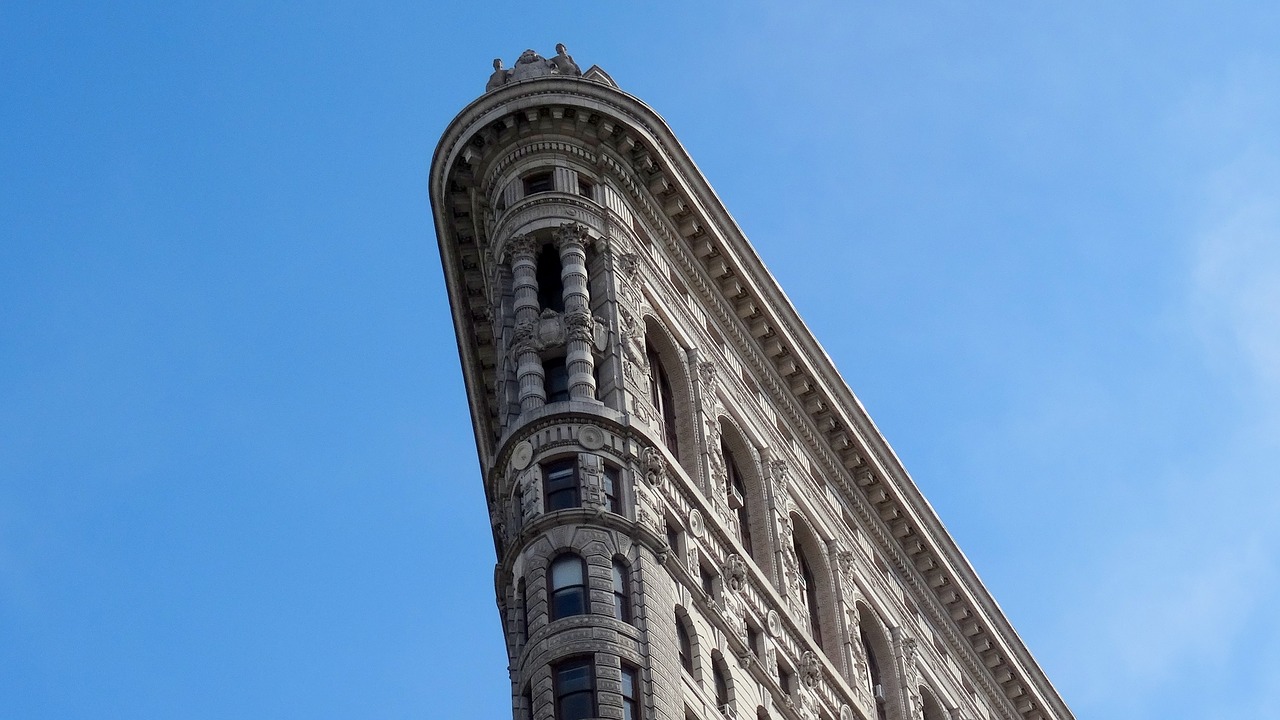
810 669
655 467
571 233
522 246
532 65
735 572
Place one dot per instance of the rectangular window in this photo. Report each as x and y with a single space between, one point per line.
538 182
557 379
561 482
612 490
708 581
630 693
585 188
574 682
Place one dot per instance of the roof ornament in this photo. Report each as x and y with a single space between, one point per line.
531 65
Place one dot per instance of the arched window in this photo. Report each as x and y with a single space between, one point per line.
630 692
809 591
686 645
873 673
560 484
621 591
663 400
721 682
739 500
567 586
574 686
930 708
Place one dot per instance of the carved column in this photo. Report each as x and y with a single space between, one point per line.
572 241
523 251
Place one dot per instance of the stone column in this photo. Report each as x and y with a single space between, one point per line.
572 241
523 252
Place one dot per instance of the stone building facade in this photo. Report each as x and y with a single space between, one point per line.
693 515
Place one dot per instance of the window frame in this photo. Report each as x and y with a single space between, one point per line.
630 702
621 578
573 490
554 593
559 692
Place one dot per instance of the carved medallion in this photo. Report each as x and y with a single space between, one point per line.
773 624
591 437
521 454
695 523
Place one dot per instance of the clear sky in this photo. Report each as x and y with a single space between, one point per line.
237 476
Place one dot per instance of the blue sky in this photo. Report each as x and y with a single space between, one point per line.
237 477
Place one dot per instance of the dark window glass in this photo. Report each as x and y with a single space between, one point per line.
673 538
585 188
568 586
686 646
739 498
550 283
574 689
755 640
556 377
707 580
661 397
621 592
784 679
630 693
528 703
612 490
524 609
561 485
538 182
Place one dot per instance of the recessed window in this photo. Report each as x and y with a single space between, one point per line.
707 580
538 182
738 498
574 681
721 683
568 587
560 480
630 693
784 679
621 591
556 379
612 490
585 188
663 401
755 640
550 282
686 646
809 591
522 598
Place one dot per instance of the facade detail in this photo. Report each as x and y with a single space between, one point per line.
694 517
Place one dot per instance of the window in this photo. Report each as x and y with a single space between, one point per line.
585 188
550 283
560 479
528 702
568 586
612 490
673 538
755 640
686 646
784 679
556 379
663 400
809 590
873 670
630 693
523 599
738 498
722 685
574 687
708 580
621 591
538 182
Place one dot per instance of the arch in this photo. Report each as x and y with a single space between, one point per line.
881 678
745 488
817 586
687 650
675 404
931 709
720 680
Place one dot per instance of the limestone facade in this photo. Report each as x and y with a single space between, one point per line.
693 515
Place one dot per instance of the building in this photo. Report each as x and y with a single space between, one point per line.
693 515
